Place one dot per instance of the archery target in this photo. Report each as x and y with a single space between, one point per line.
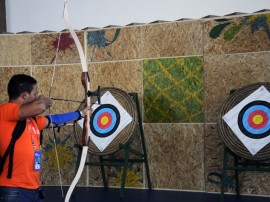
105 120
250 121
253 119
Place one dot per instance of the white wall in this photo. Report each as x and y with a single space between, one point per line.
40 15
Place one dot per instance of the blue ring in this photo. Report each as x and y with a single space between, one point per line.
95 121
255 131
243 120
97 131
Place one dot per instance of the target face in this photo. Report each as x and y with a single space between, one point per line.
250 120
107 121
104 120
253 119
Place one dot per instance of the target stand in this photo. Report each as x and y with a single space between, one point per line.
122 142
253 120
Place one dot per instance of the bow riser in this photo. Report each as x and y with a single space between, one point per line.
86 127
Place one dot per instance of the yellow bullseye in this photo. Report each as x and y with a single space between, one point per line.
104 120
257 119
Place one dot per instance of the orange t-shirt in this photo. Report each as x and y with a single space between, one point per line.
23 173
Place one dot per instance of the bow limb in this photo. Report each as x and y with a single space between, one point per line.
75 38
85 79
78 174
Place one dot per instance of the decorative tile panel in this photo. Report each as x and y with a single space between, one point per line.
67 156
237 35
59 48
114 44
173 90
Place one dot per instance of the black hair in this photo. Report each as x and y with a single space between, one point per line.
20 83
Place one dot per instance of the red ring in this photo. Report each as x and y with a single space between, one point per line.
99 123
262 124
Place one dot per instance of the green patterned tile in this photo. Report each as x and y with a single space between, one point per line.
173 90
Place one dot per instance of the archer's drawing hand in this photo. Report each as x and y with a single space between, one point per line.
36 107
47 102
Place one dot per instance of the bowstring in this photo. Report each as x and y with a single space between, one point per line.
53 133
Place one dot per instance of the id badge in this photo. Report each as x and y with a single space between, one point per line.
37 161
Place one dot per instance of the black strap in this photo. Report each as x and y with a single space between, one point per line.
3 159
41 137
41 132
17 132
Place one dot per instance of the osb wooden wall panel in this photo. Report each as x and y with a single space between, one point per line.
126 75
15 50
172 39
134 176
176 153
44 48
237 35
213 158
67 155
6 73
135 172
44 77
249 182
114 44
173 90
57 82
223 73
62 82
254 183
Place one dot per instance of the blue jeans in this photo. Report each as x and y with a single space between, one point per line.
12 194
